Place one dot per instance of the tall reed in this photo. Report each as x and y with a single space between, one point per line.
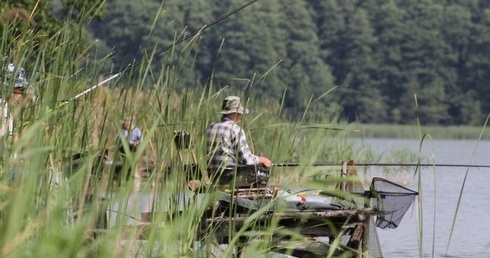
52 203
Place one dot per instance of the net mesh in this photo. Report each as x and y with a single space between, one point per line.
391 202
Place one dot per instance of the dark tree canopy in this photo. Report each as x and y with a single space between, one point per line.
393 61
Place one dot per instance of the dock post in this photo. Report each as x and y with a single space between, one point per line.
365 237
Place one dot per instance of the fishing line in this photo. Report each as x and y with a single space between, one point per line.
326 164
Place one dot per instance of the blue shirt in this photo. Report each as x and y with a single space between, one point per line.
135 137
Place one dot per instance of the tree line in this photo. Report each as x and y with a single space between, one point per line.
372 61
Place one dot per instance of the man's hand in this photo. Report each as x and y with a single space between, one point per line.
265 162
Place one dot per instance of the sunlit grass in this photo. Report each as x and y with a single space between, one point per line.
48 208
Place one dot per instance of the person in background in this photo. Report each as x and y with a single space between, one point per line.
227 142
132 134
12 102
15 82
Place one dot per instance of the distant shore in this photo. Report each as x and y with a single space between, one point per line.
414 132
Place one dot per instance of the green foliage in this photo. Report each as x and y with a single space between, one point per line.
49 208
53 22
90 8
410 132
44 210
386 52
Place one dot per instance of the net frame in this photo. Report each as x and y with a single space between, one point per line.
391 202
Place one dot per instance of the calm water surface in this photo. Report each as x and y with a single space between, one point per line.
440 189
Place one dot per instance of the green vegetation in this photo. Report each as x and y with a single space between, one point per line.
384 53
411 132
51 208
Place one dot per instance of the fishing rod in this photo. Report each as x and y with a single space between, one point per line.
327 164
166 48
95 86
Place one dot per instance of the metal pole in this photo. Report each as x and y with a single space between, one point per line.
327 164
365 233
95 86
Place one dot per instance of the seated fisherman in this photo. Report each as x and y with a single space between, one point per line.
227 143
132 134
11 106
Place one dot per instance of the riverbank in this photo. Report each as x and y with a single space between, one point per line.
414 132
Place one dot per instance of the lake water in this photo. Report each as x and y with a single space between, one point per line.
440 189
439 192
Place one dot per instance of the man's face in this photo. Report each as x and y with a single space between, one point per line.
236 117
16 96
126 125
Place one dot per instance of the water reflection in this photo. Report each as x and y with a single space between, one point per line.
440 188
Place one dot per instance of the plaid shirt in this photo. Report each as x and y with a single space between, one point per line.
227 146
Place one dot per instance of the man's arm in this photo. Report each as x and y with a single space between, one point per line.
265 162
246 154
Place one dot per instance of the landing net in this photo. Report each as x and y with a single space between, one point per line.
391 202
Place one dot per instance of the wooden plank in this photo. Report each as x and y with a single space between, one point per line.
356 237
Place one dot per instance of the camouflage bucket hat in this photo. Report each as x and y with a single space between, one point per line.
231 105
20 80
